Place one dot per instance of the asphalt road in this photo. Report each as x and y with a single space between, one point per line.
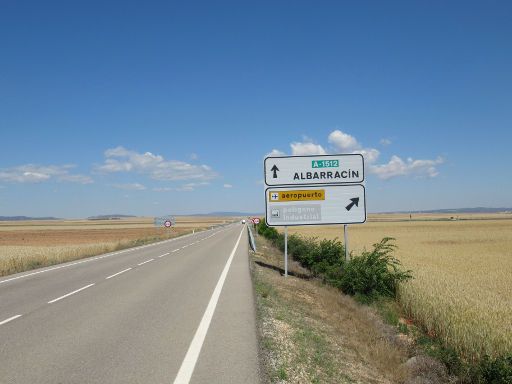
178 311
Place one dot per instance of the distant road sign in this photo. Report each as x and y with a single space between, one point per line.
167 224
160 221
311 170
326 204
256 220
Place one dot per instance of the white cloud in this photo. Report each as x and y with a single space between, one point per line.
306 148
370 154
228 186
33 173
183 188
397 167
193 156
275 153
343 141
120 159
130 186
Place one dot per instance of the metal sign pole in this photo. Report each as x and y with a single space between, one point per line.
285 251
345 235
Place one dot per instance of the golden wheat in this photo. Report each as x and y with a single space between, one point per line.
462 287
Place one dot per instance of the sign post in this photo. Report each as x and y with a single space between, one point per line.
314 190
285 251
345 235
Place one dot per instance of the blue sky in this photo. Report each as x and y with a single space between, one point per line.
150 108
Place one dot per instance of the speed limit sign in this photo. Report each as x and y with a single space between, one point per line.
167 224
256 220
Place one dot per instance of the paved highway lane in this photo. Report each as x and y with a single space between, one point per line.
179 311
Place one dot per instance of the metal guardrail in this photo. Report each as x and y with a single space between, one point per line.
251 238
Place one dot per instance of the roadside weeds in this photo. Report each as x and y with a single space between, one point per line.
312 333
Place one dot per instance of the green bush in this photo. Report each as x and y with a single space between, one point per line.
497 370
374 273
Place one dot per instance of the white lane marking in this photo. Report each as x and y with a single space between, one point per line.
118 273
147 261
190 360
92 259
70 293
165 254
9 319
176 250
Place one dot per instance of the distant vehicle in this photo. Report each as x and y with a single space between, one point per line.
243 221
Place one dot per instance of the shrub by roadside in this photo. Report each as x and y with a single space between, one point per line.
369 275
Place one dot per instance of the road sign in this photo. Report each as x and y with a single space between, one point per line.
256 220
167 224
311 170
160 221
316 205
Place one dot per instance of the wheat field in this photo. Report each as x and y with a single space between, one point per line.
27 245
462 287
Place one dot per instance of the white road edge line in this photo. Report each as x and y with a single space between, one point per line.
147 261
190 360
9 319
70 293
118 273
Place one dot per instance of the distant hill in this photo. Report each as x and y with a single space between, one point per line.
25 218
110 217
462 210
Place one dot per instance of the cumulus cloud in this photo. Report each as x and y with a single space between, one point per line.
33 173
228 186
370 154
343 141
306 148
275 153
398 167
120 159
130 186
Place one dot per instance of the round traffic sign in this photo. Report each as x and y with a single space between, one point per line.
256 220
167 224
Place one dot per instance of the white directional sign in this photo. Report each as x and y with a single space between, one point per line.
315 205
311 170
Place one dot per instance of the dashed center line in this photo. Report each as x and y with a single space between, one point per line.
147 261
118 273
176 250
70 293
9 319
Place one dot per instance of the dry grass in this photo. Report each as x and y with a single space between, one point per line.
462 291
32 244
314 334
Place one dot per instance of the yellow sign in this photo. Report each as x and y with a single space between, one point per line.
297 195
